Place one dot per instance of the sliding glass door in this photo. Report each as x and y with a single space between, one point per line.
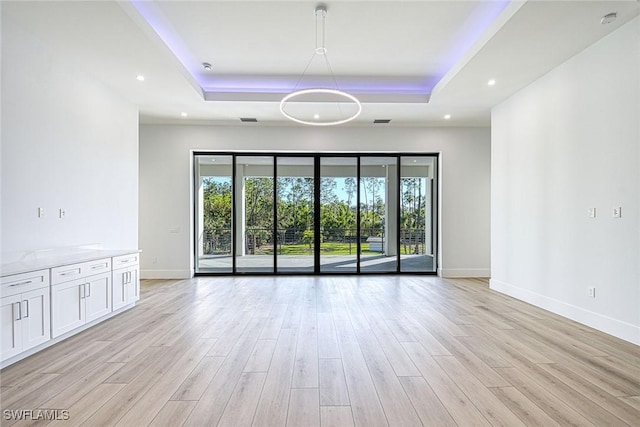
416 214
378 214
214 237
312 213
254 214
296 220
338 210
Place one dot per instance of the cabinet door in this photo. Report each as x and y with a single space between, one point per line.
119 293
67 306
36 318
11 340
133 285
98 296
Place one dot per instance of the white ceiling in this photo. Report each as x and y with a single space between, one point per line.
395 55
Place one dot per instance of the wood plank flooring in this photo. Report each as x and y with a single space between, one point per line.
330 351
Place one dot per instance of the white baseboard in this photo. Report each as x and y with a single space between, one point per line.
464 272
606 324
165 274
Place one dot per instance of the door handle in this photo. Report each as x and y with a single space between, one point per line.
17 311
26 303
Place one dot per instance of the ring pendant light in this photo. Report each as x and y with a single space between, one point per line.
320 50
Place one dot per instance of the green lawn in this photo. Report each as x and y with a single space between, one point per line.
328 248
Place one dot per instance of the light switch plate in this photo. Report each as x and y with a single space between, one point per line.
592 212
617 212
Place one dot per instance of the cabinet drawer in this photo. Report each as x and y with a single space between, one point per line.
74 271
24 282
124 261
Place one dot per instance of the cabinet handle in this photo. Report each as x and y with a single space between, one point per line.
95 267
26 302
17 311
66 273
124 278
124 261
88 293
128 277
26 282
81 289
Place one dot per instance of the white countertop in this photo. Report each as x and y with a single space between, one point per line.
39 260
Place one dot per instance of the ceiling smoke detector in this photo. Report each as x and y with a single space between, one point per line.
609 18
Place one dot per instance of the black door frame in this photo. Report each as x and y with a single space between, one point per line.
317 219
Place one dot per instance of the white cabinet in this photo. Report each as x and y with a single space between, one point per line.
24 312
45 300
80 293
126 280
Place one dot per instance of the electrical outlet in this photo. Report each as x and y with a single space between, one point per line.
40 212
62 213
617 212
591 212
592 292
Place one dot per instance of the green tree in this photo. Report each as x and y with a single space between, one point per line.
259 211
216 203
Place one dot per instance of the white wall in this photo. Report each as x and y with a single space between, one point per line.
165 173
568 142
67 142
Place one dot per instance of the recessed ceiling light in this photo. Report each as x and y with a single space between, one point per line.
213 160
183 114
491 82
140 77
248 119
206 66
447 116
383 121
608 18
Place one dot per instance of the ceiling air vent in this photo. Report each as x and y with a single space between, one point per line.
248 119
382 121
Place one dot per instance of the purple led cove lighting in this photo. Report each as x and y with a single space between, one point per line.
482 17
151 13
470 32
282 84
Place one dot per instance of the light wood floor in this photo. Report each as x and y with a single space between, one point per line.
332 351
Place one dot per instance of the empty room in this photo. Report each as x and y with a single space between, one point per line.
302 213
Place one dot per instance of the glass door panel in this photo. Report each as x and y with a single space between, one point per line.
378 214
295 206
214 213
254 214
338 203
297 213
416 214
